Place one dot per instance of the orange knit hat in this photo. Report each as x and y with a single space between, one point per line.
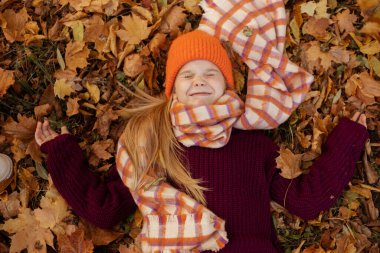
196 45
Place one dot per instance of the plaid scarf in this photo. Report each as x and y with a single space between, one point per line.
256 31
173 221
206 125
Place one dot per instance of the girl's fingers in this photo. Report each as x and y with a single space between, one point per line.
363 120
356 116
38 133
64 130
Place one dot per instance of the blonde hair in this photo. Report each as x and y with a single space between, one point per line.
152 145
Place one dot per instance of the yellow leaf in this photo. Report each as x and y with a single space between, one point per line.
308 8
143 12
295 30
375 65
371 48
94 91
6 80
321 10
136 29
289 163
192 6
62 88
78 30
61 62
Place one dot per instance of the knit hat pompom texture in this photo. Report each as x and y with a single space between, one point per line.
196 45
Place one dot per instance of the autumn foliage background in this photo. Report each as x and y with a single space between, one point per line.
69 61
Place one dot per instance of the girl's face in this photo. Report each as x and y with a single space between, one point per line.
199 82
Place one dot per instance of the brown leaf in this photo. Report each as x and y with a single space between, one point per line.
34 151
317 28
28 181
72 107
173 20
135 29
23 129
10 207
364 87
15 27
346 20
314 58
42 110
339 55
76 55
289 163
105 115
157 43
99 236
133 65
6 80
99 148
74 243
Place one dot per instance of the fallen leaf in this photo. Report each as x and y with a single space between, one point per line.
42 110
63 88
23 129
134 65
99 148
308 8
346 20
72 107
157 43
104 117
135 29
129 249
289 163
99 236
75 243
16 21
317 28
76 55
10 207
6 80
173 20
94 91
192 6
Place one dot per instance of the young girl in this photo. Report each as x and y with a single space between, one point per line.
200 183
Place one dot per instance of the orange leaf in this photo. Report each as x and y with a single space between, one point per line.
76 55
99 148
15 24
6 80
42 110
72 106
173 20
133 65
23 130
75 243
289 163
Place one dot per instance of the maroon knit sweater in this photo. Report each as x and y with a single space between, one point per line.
241 176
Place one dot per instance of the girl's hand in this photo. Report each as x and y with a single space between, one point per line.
44 133
360 118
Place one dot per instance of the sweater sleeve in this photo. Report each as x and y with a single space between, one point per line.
102 202
316 191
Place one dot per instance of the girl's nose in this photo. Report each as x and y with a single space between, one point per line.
198 81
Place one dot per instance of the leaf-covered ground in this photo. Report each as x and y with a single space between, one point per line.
68 60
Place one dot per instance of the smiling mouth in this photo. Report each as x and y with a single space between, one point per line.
200 94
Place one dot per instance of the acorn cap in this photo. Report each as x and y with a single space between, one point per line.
6 167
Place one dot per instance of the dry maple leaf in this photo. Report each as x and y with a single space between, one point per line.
63 88
346 20
317 28
23 129
192 6
6 80
27 234
99 148
314 58
74 243
364 87
173 20
289 163
157 43
76 55
136 29
42 110
105 115
72 107
134 65
10 207
99 236
15 24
